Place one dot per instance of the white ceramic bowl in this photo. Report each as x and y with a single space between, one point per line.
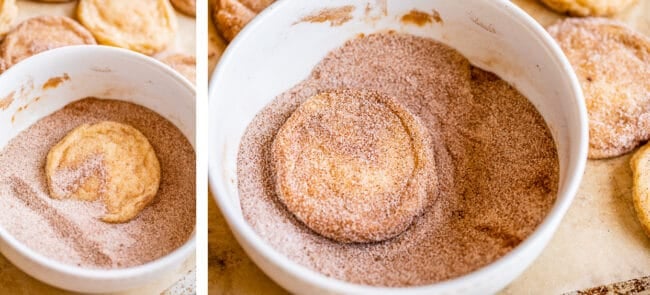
274 53
102 72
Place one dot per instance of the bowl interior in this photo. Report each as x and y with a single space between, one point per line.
43 84
491 34
277 51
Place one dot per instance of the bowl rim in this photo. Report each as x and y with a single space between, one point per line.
182 252
564 197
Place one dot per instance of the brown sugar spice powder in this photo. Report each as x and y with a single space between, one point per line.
497 165
70 231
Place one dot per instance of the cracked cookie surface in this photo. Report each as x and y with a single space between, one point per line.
146 26
42 33
110 161
354 166
588 7
612 63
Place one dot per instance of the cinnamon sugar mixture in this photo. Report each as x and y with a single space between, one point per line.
67 181
70 231
496 163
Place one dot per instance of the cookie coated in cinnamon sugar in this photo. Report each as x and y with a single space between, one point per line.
42 33
231 16
589 7
612 62
354 166
187 7
108 161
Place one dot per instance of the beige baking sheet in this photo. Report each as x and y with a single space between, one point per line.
183 281
598 242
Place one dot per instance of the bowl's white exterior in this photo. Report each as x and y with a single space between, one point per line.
102 72
274 53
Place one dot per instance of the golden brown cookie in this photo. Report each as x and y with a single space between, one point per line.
146 26
230 16
355 167
612 63
184 64
216 44
42 33
588 7
187 7
8 13
110 161
640 164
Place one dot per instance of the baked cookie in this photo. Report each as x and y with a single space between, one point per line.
8 13
42 33
640 164
216 45
612 63
184 64
187 7
146 26
355 167
588 7
230 16
110 161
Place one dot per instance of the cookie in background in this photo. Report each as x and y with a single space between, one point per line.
183 64
121 23
640 164
187 7
8 13
231 16
42 33
588 7
610 60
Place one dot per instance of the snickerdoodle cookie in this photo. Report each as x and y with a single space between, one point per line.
110 161
146 26
612 63
184 64
231 16
187 7
588 7
8 13
40 34
640 164
354 166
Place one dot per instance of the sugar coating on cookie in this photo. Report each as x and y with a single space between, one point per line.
110 161
8 13
354 166
588 7
146 26
187 7
42 33
640 164
612 63
231 16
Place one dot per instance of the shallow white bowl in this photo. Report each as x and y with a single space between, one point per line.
102 72
274 53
